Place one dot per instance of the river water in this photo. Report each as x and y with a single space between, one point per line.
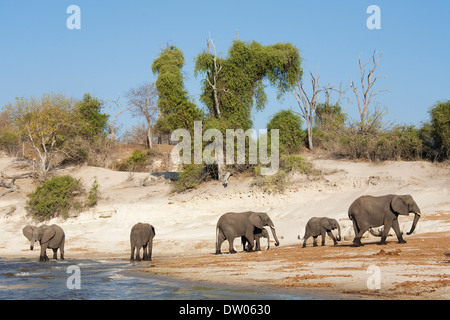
26 278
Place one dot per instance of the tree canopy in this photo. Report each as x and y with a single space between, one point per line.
239 78
176 109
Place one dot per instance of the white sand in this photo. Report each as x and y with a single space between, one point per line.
185 223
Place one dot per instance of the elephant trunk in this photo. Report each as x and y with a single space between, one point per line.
268 241
339 233
277 243
416 219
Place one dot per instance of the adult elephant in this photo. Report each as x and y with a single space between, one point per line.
321 226
141 236
51 237
368 211
237 224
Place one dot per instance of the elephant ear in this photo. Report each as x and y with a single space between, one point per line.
325 223
399 206
28 232
256 220
48 234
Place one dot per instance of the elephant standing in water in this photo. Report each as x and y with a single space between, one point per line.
141 236
368 211
237 224
51 237
259 233
320 226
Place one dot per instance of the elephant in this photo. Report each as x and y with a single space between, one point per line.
237 224
141 236
258 233
319 226
369 211
51 237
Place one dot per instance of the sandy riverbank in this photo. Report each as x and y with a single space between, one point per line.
185 228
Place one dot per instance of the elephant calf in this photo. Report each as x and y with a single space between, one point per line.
237 224
258 233
51 237
141 236
320 226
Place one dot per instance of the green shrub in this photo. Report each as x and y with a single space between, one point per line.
92 197
292 163
55 197
191 177
137 161
272 183
291 135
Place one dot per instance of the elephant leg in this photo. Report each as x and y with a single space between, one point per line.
322 234
54 254
397 231
138 249
231 245
258 245
304 241
132 252
144 252
305 238
387 228
315 241
61 251
43 256
244 242
330 234
220 239
358 236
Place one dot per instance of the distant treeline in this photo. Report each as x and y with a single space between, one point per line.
54 129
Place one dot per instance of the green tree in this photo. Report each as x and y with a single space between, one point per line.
440 122
291 135
92 121
176 109
232 87
45 122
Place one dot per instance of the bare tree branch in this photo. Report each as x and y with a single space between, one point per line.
367 83
120 110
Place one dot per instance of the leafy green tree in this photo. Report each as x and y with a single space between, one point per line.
176 109
45 122
232 87
440 122
92 121
291 135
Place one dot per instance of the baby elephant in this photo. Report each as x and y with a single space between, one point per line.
51 237
320 226
258 233
141 236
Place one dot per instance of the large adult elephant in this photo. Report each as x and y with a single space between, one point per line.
237 224
51 237
368 211
321 226
141 236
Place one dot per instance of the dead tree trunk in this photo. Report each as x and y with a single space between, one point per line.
10 186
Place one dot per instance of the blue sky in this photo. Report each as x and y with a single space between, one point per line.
118 41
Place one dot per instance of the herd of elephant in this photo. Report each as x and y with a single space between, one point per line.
365 212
